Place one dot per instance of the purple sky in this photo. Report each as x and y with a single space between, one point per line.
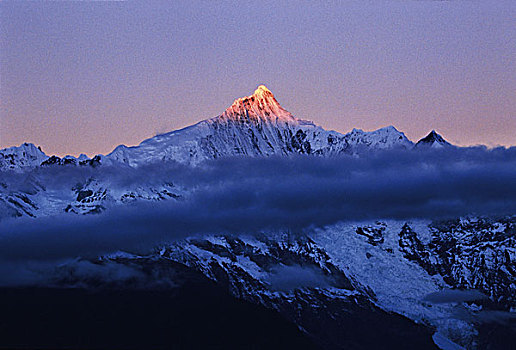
84 77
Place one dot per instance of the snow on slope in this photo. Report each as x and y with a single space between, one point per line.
398 284
24 156
434 140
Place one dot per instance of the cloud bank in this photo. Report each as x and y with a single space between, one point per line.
287 278
454 296
250 195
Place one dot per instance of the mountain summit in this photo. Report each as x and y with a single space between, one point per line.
433 139
25 155
260 107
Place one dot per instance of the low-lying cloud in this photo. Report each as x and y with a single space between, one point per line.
454 296
287 278
250 195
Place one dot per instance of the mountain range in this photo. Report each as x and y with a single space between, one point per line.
418 283
255 125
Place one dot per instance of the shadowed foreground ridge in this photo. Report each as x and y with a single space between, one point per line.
195 314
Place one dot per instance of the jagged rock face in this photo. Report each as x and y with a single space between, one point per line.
414 250
373 233
470 254
55 160
69 160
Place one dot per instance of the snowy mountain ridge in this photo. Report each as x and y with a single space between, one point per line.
27 155
433 140
255 125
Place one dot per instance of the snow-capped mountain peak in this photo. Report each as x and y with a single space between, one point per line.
19 157
255 125
259 107
433 139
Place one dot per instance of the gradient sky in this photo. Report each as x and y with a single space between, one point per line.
84 77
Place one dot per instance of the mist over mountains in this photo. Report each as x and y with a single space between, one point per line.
277 211
249 195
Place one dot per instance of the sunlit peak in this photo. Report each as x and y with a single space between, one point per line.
261 89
